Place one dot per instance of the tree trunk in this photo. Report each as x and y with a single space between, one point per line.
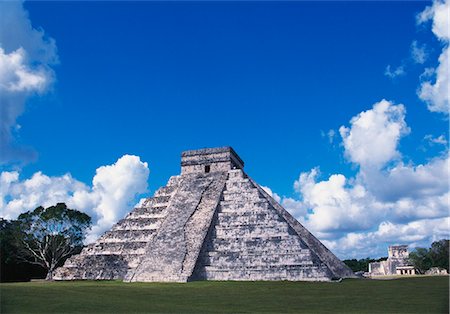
49 275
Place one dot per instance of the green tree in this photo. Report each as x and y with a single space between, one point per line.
439 254
420 259
6 241
48 236
362 264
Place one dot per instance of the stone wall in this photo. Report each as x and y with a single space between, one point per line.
398 257
210 160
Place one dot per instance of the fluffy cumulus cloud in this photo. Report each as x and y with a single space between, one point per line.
386 202
417 233
337 206
26 58
436 92
384 125
112 194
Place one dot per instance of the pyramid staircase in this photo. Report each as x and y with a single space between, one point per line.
121 248
249 240
212 222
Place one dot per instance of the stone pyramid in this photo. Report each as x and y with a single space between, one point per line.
212 222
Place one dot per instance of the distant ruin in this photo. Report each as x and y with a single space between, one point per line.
396 264
211 222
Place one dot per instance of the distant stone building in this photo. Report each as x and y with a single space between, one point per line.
396 264
211 222
436 271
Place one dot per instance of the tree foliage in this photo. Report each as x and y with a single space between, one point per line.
361 264
6 241
47 236
420 259
436 256
12 268
439 254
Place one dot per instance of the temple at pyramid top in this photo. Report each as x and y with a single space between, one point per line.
210 160
211 222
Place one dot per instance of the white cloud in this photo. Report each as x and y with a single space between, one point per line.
17 76
427 73
26 57
111 196
397 200
374 244
438 13
393 73
6 179
441 140
409 181
336 204
374 134
296 208
436 94
275 196
117 186
38 190
418 53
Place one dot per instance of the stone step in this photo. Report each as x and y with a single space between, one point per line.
161 200
293 273
117 248
173 181
105 266
255 261
260 219
243 223
128 235
260 252
246 195
127 257
250 232
137 224
268 243
267 267
143 212
230 259
237 179
238 186
148 202
165 191
260 226
244 206
167 256
161 216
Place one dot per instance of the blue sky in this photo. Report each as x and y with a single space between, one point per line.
152 79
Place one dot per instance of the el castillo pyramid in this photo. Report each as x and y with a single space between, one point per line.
212 222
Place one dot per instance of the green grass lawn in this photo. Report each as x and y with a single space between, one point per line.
406 295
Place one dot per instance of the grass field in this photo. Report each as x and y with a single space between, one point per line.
406 295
